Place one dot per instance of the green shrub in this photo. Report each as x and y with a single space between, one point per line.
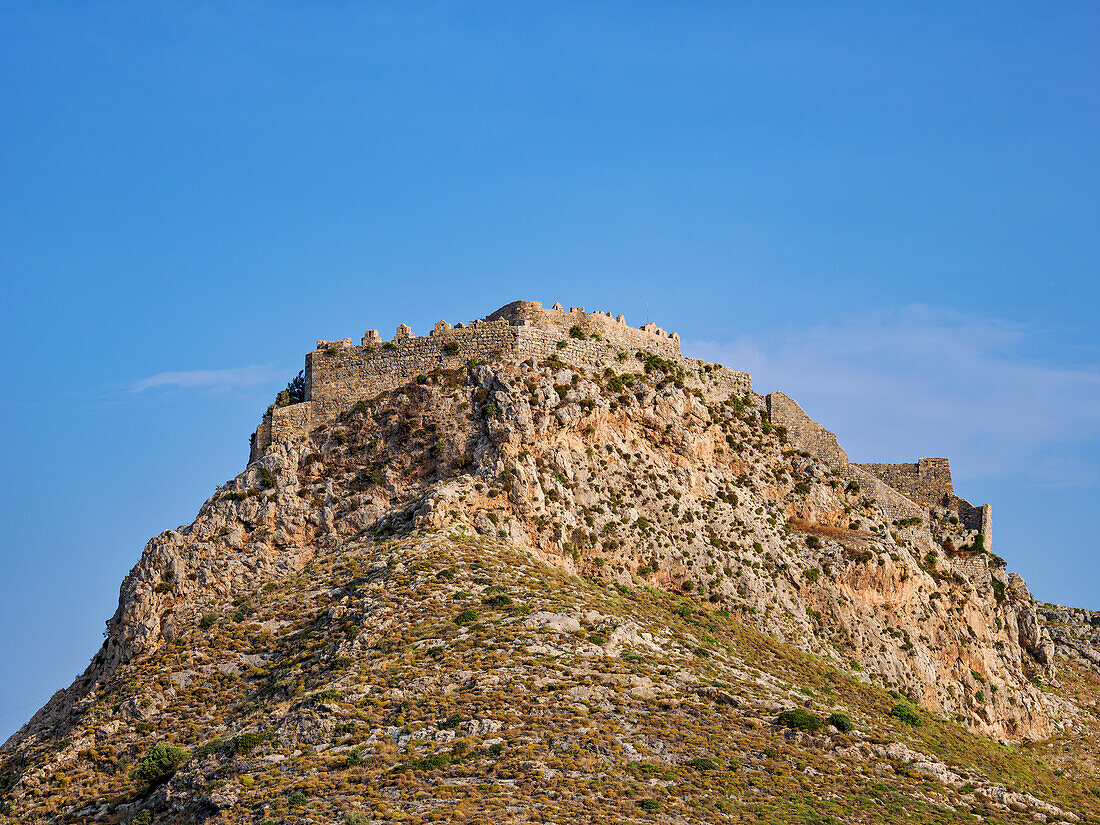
840 721
799 719
906 714
998 590
496 749
296 799
211 747
326 695
159 763
451 348
355 757
498 601
704 763
432 763
245 742
651 805
578 333
358 818
466 616
813 542
451 722
208 620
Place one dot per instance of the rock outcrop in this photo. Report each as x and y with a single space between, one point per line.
319 595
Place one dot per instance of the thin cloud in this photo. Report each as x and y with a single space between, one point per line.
895 385
237 377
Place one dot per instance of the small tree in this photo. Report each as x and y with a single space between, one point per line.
159 763
906 714
840 721
294 393
799 719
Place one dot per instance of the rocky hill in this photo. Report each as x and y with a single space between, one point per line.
565 580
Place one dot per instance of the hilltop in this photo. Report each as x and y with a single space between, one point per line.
544 567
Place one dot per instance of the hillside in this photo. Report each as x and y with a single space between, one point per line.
590 583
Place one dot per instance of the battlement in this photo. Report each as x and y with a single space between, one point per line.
340 373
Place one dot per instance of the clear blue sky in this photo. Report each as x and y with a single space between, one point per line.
887 210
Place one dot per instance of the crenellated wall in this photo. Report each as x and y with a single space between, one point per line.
340 373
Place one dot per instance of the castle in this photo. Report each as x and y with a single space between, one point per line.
340 373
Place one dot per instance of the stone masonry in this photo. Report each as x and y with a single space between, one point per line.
905 491
340 373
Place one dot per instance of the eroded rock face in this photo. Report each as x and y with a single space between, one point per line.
626 479
1071 632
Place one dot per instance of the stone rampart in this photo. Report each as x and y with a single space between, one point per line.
928 481
340 373
804 432
904 491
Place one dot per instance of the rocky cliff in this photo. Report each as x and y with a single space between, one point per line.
589 589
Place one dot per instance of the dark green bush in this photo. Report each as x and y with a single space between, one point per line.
651 805
432 763
906 714
208 620
295 392
451 722
466 616
704 763
998 590
245 742
799 719
355 757
840 721
159 763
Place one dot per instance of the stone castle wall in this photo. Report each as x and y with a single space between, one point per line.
928 481
340 373
804 432
904 491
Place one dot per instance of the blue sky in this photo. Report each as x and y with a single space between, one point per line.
887 211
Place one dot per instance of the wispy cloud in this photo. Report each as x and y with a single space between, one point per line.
898 384
249 376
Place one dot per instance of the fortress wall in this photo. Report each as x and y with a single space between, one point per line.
804 432
598 354
974 567
339 373
928 481
895 506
